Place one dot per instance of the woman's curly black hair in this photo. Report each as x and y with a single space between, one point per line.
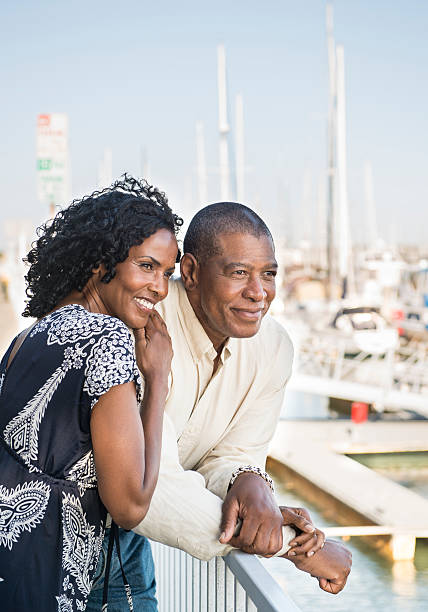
99 228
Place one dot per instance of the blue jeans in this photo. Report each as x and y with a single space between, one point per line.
139 568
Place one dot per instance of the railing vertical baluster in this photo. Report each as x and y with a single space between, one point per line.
189 588
196 570
183 581
219 578
211 585
229 589
162 577
177 581
204 586
170 580
250 606
237 583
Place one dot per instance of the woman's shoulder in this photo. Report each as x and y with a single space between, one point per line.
73 323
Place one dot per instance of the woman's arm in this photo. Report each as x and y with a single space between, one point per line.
126 439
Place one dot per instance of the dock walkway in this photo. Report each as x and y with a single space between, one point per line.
316 452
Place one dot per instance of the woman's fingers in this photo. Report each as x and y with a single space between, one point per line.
297 517
307 543
140 335
154 348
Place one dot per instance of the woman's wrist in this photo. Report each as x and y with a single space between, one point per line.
156 383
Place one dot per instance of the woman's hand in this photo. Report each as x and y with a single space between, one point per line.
309 539
153 350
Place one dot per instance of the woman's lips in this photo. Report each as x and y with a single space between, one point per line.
144 305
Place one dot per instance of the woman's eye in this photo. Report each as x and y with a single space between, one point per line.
146 265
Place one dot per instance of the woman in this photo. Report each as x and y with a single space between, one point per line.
74 439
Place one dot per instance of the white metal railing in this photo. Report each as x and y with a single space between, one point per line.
235 583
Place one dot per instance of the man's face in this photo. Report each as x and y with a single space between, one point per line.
236 287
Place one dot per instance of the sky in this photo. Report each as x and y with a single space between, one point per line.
136 76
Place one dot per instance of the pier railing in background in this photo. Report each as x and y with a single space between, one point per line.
236 583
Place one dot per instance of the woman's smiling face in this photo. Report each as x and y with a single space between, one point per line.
140 281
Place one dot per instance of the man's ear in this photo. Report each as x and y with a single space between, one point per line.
189 268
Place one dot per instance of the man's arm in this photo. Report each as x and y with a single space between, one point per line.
183 513
246 443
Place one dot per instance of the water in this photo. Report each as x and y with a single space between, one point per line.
375 584
299 405
407 469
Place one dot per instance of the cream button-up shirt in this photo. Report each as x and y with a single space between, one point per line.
213 424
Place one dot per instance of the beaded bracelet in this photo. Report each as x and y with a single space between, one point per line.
253 470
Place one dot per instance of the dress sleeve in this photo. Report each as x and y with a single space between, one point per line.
110 362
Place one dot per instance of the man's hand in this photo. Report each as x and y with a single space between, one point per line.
331 566
250 500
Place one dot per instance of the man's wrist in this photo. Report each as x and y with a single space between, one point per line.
251 469
288 534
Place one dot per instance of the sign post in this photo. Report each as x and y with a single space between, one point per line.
53 165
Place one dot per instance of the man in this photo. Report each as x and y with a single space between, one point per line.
229 371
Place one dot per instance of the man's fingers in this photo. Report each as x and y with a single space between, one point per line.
229 520
247 535
261 543
292 518
275 543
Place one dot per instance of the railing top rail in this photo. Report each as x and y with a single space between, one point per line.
260 586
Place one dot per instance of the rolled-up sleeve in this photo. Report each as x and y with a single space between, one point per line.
183 513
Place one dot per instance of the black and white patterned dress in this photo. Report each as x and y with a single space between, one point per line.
51 517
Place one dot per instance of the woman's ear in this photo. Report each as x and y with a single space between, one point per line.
99 270
189 268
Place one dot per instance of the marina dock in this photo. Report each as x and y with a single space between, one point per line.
314 455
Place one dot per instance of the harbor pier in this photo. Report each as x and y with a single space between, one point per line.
364 503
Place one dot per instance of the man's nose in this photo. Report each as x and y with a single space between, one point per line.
254 290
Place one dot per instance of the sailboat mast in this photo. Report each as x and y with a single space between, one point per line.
223 125
342 181
331 167
370 205
201 166
239 152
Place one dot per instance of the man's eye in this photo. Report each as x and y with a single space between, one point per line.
239 272
271 273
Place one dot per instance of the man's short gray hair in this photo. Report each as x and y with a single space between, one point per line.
214 220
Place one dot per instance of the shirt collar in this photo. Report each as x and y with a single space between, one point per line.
199 343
